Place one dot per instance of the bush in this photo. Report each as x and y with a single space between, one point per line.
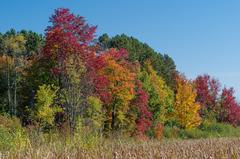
12 135
215 129
171 132
208 129
5 140
193 133
84 137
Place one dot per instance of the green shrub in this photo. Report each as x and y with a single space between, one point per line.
171 132
5 139
12 135
84 137
193 133
208 129
215 129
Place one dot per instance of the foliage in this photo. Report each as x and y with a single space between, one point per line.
211 130
21 47
207 93
6 64
138 51
161 96
84 137
186 108
229 110
67 45
159 128
12 136
144 119
71 89
119 88
33 42
69 34
14 44
13 48
207 129
45 108
95 113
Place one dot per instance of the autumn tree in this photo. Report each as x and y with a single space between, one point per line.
186 109
115 86
138 51
207 94
6 65
68 46
94 114
71 89
161 97
68 35
229 110
17 49
13 48
144 116
46 108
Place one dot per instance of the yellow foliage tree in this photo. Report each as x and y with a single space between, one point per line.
45 109
186 109
94 112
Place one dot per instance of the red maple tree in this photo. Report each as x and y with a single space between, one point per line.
144 120
230 110
207 91
69 34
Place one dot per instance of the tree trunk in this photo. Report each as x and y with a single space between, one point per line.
113 118
9 86
15 96
15 87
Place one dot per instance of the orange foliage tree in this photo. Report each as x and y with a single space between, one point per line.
118 88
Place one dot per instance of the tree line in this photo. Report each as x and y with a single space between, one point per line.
108 84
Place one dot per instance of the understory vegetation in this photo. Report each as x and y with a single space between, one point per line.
26 143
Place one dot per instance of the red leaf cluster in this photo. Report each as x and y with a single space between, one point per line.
144 120
97 64
207 91
231 109
69 34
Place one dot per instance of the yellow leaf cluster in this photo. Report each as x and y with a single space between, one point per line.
186 109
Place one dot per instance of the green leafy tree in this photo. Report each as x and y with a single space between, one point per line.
17 69
34 42
95 113
45 107
161 97
13 48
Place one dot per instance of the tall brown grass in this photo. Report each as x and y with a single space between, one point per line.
219 148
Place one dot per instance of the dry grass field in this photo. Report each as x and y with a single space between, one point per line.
219 148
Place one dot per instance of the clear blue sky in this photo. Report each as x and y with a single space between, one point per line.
202 36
